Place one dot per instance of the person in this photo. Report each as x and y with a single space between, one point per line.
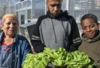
54 29
99 26
13 47
90 37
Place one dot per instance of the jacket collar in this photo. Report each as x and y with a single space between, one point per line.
1 36
96 38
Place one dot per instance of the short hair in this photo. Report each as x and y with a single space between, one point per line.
92 16
57 0
8 16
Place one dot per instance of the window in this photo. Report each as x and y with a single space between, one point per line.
18 6
22 19
97 3
78 8
38 8
26 3
16 1
64 5
12 2
12 10
29 14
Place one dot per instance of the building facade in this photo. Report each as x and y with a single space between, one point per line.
30 10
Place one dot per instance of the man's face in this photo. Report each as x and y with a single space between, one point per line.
89 27
10 26
54 6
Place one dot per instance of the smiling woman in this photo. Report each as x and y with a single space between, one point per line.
10 25
90 38
13 47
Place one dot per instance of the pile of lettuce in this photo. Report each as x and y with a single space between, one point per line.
59 58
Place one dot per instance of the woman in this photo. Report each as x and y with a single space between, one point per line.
13 47
90 38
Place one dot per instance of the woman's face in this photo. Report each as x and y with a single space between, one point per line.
10 26
89 27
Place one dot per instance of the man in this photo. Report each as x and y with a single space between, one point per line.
90 38
55 29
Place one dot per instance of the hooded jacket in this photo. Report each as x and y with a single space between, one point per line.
91 47
55 32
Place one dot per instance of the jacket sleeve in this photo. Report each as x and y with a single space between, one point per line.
25 49
36 40
74 37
